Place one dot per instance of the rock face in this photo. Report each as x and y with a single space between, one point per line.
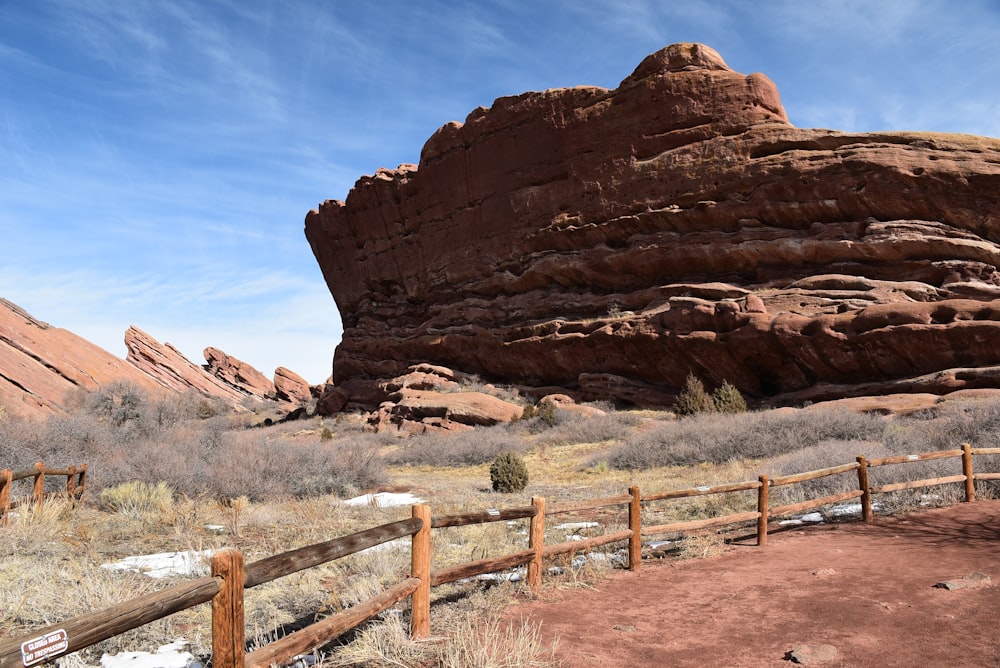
168 365
40 365
607 243
290 386
238 374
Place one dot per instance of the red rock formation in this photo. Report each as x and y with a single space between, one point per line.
611 242
40 364
168 365
290 386
419 411
238 374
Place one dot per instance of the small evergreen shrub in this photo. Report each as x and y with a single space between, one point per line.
727 399
694 399
508 473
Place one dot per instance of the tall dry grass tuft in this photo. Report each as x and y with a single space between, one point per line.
496 643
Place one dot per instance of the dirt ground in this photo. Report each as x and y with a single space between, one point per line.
867 590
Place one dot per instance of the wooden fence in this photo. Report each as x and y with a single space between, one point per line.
76 485
230 576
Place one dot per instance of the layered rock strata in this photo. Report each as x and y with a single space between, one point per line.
42 366
607 243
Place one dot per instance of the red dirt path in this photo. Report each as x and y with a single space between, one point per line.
866 589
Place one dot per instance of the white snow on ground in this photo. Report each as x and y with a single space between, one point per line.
174 655
384 500
844 510
576 526
165 564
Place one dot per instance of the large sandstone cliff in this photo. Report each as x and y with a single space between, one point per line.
610 242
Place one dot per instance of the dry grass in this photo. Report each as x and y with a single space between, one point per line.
50 558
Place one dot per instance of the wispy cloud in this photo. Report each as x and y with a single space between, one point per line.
157 159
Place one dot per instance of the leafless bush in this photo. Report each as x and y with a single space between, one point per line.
718 438
823 455
461 449
577 428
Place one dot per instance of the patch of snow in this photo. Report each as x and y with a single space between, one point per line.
508 576
384 500
808 518
845 510
576 526
657 544
173 655
598 557
165 564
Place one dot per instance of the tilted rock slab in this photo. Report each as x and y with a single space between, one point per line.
611 242
40 365
238 374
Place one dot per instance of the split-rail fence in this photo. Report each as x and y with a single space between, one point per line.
230 576
76 485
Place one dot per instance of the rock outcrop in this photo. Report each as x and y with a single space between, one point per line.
169 366
290 386
40 365
237 374
607 243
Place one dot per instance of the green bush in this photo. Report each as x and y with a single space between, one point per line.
694 399
728 399
508 473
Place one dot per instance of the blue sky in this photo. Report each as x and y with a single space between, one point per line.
157 159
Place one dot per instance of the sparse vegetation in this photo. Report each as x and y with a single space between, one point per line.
136 498
165 477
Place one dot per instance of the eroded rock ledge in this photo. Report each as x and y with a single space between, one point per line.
607 243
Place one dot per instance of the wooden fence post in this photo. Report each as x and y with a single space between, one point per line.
420 567
536 542
866 490
970 479
6 482
228 641
763 492
38 493
635 524
81 483
71 485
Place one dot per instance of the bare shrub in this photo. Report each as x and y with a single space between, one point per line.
469 448
577 428
825 454
717 438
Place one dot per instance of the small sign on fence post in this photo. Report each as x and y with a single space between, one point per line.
38 650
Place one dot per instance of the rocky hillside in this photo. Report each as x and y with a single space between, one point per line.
607 243
41 364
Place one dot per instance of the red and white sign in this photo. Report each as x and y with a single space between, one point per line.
41 649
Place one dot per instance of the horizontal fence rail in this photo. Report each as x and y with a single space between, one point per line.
76 485
225 586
